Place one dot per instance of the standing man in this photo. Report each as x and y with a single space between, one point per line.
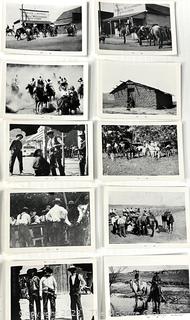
16 152
48 292
82 154
77 284
121 225
23 221
34 294
58 215
54 147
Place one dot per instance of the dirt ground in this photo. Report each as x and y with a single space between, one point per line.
178 234
112 108
140 166
60 43
116 43
177 301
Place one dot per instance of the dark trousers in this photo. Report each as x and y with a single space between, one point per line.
121 230
14 155
55 160
25 238
76 307
35 298
82 164
48 297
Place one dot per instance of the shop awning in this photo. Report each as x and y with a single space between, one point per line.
139 15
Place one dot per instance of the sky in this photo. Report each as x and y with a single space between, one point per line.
13 11
110 6
160 76
147 198
150 268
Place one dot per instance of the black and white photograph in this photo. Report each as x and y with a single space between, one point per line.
147 286
47 90
135 90
135 150
50 219
140 27
144 215
43 150
45 27
45 290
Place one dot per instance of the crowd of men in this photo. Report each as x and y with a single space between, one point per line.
41 285
42 166
60 226
138 221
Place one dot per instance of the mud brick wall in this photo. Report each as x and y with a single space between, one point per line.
161 20
143 97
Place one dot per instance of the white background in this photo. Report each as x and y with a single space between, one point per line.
183 39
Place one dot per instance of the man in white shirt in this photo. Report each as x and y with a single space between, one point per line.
48 292
77 284
58 215
23 221
54 147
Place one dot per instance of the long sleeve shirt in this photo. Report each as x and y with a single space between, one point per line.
80 277
48 283
23 218
58 213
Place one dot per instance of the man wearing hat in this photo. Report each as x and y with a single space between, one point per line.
58 216
16 152
23 221
82 154
33 284
55 154
156 285
77 284
48 292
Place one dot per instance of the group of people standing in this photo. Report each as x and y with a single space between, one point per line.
61 226
43 286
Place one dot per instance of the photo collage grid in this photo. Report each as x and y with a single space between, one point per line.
92 162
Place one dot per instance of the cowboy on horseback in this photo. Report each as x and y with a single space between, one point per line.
156 285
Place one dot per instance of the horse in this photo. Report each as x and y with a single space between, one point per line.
19 32
41 99
141 289
50 92
156 297
157 35
143 33
31 89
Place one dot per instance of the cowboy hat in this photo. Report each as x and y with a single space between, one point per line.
72 267
19 135
50 131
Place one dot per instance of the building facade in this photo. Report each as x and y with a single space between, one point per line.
73 16
142 95
139 15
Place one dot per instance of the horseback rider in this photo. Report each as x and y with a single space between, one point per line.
156 283
40 82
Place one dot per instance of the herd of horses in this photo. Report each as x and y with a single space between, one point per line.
130 150
156 35
31 33
44 96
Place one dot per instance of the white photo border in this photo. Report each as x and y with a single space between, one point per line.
142 53
30 62
150 260
14 263
83 52
157 117
6 218
88 125
141 189
123 178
